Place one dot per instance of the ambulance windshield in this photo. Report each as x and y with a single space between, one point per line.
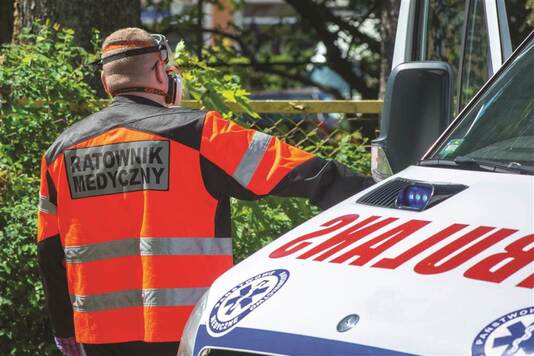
499 127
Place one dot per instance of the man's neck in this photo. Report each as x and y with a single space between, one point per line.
154 97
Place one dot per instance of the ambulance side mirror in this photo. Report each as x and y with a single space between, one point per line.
417 109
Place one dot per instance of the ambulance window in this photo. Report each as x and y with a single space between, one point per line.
445 21
475 66
499 127
520 15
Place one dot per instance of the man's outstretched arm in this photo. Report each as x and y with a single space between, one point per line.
248 164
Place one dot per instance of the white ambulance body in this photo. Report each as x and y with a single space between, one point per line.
437 259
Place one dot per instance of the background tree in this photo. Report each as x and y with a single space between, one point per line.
388 26
521 18
345 38
84 16
6 20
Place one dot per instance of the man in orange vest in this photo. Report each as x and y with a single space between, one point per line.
134 212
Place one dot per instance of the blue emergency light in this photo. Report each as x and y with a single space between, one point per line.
415 197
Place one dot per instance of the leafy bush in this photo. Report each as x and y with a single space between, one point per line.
24 326
212 87
43 89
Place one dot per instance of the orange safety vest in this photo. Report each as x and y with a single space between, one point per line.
142 223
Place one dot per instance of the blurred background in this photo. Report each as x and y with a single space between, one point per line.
231 51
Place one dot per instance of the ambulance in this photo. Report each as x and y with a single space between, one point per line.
437 258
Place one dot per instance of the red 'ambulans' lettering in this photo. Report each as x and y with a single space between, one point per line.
495 268
377 245
298 244
435 262
515 257
528 283
346 238
395 262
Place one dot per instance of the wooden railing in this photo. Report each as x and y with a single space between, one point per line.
304 106
284 106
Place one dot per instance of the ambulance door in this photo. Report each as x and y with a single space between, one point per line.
445 50
472 36
486 45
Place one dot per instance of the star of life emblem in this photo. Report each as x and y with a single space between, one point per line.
239 301
511 334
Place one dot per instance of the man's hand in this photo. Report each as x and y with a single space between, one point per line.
68 346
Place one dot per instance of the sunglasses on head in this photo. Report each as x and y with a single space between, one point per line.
162 46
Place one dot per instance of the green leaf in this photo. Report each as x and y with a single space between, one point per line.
229 95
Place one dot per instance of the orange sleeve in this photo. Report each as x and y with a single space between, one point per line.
47 225
256 160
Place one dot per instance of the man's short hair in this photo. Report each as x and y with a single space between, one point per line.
129 71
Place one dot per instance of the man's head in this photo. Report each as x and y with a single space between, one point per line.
137 71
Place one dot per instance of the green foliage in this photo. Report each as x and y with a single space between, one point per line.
257 223
24 326
520 15
279 55
530 9
43 89
212 87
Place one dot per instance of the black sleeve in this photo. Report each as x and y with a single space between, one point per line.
221 185
53 273
322 181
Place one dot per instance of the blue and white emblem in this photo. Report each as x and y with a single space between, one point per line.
239 301
511 334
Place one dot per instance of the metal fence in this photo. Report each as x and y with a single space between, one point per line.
318 126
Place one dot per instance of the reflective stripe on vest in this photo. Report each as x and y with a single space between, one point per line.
252 158
160 297
46 206
149 246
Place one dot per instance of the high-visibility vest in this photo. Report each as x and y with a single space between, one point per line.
143 225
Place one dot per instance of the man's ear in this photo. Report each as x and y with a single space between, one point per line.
161 74
104 84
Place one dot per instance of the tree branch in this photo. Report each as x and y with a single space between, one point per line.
329 16
268 68
310 10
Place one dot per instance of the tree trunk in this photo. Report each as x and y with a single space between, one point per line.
6 20
82 16
390 15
